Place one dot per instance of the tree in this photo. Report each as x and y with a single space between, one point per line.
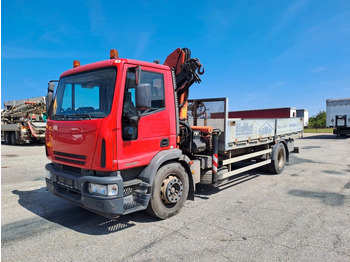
318 121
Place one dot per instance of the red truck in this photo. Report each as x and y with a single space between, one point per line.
121 140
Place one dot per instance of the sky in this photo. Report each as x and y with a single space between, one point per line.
259 54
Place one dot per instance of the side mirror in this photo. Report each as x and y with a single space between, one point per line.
137 75
143 96
49 97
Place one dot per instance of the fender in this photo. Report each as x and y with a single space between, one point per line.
148 174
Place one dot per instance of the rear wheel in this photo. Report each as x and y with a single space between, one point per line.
13 138
169 191
7 138
278 161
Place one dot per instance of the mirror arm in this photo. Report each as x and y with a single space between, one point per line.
137 74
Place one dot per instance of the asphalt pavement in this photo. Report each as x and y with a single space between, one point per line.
301 215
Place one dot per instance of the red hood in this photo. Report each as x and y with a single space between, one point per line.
72 142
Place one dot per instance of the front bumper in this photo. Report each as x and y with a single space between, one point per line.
76 191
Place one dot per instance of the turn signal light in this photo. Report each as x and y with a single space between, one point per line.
76 63
113 54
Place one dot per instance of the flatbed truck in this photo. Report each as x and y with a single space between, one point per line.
122 137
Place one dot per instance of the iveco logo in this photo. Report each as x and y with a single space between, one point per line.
132 163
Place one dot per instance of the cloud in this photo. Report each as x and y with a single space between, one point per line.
276 85
286 17
330 23
143 42
21 52
260 92
97 17
251 96
218 20
318 69
59 32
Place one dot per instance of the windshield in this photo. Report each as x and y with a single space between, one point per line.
85 96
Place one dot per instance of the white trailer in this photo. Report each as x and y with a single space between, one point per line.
338 115
304 113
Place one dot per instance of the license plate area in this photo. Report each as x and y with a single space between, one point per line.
66 182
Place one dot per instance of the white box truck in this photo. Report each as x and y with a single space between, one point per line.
338 115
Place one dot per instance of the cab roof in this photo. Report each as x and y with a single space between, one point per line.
111 62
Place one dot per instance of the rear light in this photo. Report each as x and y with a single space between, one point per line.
104 190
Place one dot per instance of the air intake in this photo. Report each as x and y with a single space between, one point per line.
103 153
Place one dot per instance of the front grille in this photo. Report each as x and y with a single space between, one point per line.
70 158
69 155
71 169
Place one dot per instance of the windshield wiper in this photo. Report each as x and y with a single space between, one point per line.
60 116
80 115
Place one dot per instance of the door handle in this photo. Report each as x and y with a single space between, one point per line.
164 142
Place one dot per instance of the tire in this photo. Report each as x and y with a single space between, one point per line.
279 160
13 138
169 191
7 137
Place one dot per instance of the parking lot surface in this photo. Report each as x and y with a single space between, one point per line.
301 215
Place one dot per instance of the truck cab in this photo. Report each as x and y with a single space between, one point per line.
105 128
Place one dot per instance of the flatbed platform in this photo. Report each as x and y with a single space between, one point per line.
240 133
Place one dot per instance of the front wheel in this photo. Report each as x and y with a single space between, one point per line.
169 191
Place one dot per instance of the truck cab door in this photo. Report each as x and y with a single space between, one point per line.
145 131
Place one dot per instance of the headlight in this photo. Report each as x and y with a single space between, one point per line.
104 190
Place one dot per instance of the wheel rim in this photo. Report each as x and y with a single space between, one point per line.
171 190
280 158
